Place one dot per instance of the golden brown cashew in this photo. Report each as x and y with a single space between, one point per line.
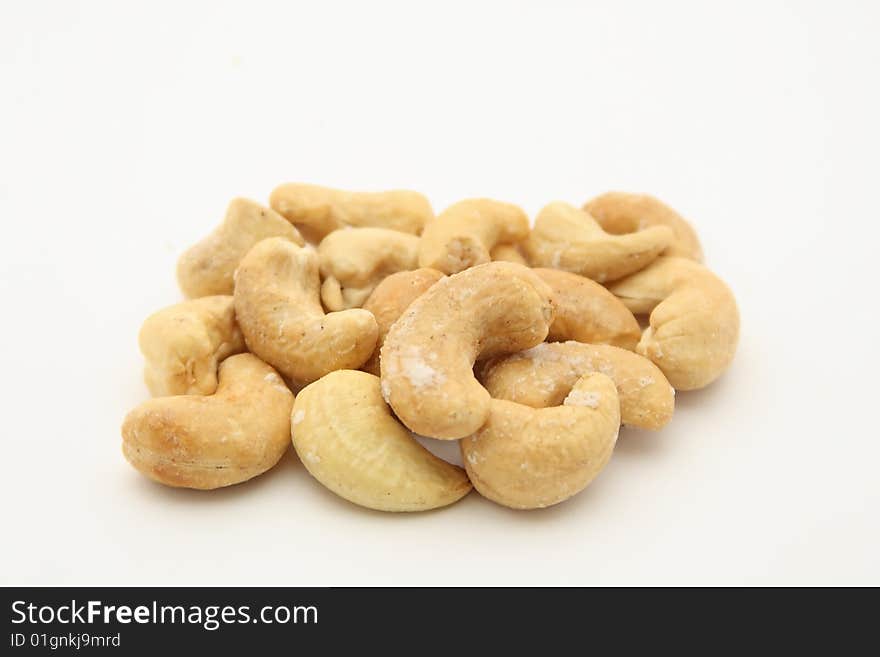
278 307
527 458
183 344
318 211
508 253
542 376
198 441
694 322
348 440
391 298
354 261
207 268
620 213
428 356
569 239
463 234
587 312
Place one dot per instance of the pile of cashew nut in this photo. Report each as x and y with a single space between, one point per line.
346 322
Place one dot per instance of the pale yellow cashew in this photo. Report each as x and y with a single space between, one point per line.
209 441
694 321
587 312
348 439
429 353
278 307
527 458
354 261
318 211
464 234
569 239
508 253
182 345
542 376
391 298
208 267
620 213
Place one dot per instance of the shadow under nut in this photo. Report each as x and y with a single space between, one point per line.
210 441
348 439
428 356
542 376
278 307
694 322
527 458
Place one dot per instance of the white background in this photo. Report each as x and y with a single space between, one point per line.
125 128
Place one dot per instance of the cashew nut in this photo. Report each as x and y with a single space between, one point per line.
587 312
207 268
354 261
527 458
183 343
620 213
349 441
429 353
198 441
542 376
569 239
694 321
463 235
391 298
508 253
318 211
278 306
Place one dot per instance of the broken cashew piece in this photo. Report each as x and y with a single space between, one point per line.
391 298
278 306
620 213
318 211
694 322
182 345
209 441
463 235
508 253
527 458
569 239
208 267
587 312
348 439
429 353
354 261
542 376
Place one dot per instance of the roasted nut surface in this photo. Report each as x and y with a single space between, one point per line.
527 458
278 307
542 376
428 356
508 253
183 344
348 440
694 321
209 441
318 211
208 267
570 239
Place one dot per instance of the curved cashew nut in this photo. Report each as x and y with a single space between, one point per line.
196 441
349 441
587 312
278 307
183 343
508 253
570 239
542 376
694 322
463 235
318 211
391 298
207 268
527 458
354 261
429 353
620 213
